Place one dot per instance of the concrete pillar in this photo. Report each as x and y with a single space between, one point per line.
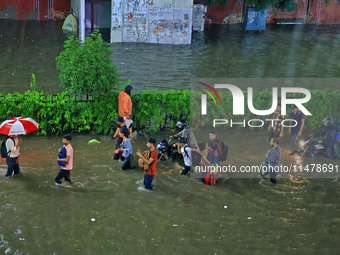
117 7
198 17
82 20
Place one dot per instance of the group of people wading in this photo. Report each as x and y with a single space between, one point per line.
209 154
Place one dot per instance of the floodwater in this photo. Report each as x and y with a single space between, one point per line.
284 51
107 211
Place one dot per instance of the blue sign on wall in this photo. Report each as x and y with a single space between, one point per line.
255 20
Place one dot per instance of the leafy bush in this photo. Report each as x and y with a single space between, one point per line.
152 110
87 69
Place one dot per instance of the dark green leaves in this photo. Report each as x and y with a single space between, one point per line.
87 68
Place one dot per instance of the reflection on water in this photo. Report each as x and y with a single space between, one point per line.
106 211
28 47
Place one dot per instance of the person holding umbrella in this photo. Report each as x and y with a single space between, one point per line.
13 128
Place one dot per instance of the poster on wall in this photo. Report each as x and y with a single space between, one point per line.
182 25
170 25
135 21
160 25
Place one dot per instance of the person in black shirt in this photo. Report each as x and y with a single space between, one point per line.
329 133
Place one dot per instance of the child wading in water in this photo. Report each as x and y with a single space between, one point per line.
210 162
126 149
65 171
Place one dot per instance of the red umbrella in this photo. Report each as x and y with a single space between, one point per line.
18 126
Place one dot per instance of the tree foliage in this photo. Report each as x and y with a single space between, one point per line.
87 68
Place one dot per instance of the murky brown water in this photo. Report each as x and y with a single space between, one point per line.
182 216
306 51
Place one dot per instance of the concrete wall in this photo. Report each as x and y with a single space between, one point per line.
34 9
135 20
308 11
152 21
198 14
320 13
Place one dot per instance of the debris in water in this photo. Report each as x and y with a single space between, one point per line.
93 141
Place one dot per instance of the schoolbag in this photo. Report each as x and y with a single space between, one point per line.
185 151
222 151
62 155
4 153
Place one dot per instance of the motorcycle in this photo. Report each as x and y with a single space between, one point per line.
310 147
168 150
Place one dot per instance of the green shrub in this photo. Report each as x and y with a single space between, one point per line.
87 68
152 110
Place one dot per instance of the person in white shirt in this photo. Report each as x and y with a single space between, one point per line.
13 151
185 150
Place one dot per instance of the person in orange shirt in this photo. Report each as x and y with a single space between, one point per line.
149 174
125 104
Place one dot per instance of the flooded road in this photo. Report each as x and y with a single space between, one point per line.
106 210
221 51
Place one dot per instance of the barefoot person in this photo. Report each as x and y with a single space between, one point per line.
65 171
150 172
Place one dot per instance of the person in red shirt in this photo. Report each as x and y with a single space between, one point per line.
149 174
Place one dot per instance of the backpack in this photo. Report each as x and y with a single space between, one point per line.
185 151
62 155
4 153
222 151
